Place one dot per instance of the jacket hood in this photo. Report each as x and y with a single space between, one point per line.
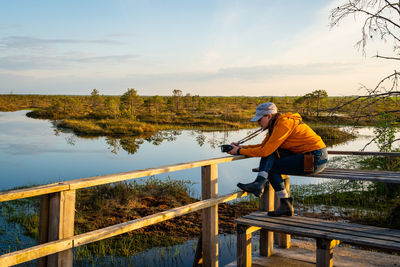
295 116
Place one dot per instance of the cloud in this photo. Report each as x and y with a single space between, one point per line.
27 42
263 72
107 59
32 62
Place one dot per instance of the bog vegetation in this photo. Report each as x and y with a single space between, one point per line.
131 114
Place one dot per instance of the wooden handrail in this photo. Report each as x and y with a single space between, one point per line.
364 153
107 179
49 248
58 208
123 176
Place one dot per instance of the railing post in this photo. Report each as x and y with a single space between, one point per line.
57 217
43 226
209 188
267 237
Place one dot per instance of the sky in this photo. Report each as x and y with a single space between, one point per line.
207 48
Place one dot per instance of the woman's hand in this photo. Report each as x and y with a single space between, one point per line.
236 144
234 150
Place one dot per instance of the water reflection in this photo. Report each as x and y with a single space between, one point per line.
36 152
214 139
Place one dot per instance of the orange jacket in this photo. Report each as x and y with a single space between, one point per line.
289 133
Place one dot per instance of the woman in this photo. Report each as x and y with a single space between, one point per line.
290 147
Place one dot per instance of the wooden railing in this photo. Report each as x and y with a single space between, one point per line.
57 212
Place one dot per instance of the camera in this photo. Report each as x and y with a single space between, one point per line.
226 148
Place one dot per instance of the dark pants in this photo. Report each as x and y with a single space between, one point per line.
291 164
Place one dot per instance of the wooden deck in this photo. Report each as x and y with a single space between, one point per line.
350 233
302 254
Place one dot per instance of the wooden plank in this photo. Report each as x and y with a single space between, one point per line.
35 252
33 191
325 252
66 257
244 245
111 178
61 225
209 187
344 225
364 153
335 228
358 177
302 231
267 237
106 179
43 226
385 233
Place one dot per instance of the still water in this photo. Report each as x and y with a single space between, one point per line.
33 152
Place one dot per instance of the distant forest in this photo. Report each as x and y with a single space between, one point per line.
101 114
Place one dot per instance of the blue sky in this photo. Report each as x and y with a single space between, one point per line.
207 47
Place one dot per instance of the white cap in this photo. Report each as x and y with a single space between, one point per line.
264 109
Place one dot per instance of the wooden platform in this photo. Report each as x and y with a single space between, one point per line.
302 254
359 175
327 234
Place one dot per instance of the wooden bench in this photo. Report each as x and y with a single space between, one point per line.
328 234
359 175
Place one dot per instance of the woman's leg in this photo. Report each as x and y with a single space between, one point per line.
257 186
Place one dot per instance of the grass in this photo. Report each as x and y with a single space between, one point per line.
106 205
107 127
102 206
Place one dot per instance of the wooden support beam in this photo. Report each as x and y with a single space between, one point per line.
43 226
325 252
61 225
209 187
267 237
244 244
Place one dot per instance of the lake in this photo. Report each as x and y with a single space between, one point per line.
34 152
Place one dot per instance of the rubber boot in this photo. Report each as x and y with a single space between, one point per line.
285 208
256 187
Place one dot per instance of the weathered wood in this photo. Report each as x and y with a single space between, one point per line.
325 252
359 175
364 153
383 233
107 179
33 191
302 229
35 252
244 245
61 225
209 186
43 226
267 237
333 227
